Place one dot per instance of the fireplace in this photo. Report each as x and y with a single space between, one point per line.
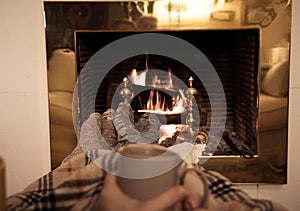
233 53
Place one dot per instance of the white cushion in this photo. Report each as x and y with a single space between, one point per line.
276 80
61 108
62 71
273 112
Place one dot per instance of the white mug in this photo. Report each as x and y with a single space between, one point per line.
146 170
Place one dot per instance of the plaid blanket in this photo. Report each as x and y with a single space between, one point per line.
77 182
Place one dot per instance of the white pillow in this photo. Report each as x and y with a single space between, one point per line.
276 80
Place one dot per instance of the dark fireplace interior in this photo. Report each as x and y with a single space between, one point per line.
234 55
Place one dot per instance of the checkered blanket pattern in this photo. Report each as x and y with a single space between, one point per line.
76 183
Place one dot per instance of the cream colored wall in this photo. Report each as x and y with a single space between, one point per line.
24 133
24 120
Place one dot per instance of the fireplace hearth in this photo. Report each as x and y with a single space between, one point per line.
234 55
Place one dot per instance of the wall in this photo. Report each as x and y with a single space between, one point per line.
24 120
24 133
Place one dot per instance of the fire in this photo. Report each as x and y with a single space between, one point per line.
156 102
138 78
167 131
166 83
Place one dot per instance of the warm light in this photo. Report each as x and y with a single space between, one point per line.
162 83
194 2
167 131
181 12
157 104
197 9
220 2
138 78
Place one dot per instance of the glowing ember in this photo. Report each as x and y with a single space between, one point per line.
167 131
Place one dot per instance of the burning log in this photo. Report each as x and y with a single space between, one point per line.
164 101
174 134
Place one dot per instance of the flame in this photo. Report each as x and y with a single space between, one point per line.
157 103
163 83
167 131
160 103
138 78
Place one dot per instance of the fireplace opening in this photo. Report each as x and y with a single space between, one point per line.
161 83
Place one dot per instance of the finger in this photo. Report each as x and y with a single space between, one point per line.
111 185
106 193
110 180
167 199
192 201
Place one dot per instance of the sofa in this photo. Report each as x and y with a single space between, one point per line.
61 82
273 114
